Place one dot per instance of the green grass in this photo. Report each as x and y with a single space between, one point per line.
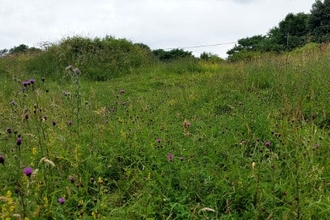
113 161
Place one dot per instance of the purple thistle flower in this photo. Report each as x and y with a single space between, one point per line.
69 123
122 91
32 81
28 171
12 102
25 83
170 157
9 130
267 143
181 158
61 200
159 140
19 141
2 159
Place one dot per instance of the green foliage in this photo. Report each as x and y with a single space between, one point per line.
210 57
185 139
294 31
319 23
98 59
173 54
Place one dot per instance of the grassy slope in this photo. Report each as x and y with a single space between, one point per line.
118 144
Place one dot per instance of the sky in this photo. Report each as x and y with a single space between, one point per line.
211 26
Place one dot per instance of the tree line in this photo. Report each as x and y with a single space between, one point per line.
295 30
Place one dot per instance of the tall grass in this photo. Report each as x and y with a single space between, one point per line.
182 140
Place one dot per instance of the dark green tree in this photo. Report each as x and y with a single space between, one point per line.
319 22
173 54
3 52
210 57
293 31
19 49
248 44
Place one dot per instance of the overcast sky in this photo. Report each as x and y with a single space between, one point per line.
156 23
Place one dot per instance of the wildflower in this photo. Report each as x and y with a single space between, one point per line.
159 140
25 83
61 200
2 159
26 116
122 91
71 178
54 122
77 71
28 171
186 124
181 158
267 143
170 157
70 123
19 141
32 81
44 118
9 130
12 102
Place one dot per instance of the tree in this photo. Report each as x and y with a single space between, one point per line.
19 49
163 55
293 30
319 22
248 44
210 57
3 52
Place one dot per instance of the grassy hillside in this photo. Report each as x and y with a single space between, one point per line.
179 140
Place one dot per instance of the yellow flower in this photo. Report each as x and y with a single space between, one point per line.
34 151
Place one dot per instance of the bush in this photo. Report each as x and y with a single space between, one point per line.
98 59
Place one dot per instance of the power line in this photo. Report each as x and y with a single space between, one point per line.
200 46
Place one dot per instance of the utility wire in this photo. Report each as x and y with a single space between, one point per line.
199 46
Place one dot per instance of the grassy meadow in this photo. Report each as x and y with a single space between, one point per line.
187 139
